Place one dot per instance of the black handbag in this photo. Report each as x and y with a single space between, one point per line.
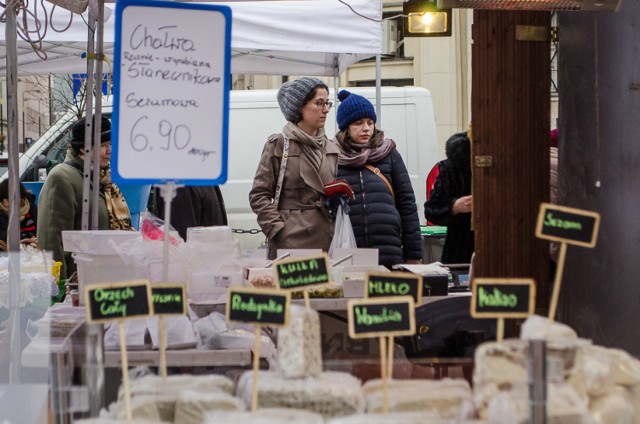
445 328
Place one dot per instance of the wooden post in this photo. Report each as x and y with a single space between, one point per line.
510 109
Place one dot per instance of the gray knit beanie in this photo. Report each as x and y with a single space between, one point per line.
292 94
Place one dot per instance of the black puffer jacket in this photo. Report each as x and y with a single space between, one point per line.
454 181
393 229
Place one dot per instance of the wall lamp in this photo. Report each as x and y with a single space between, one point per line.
425 19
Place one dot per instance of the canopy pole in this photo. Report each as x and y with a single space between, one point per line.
88 129
13 230
336 85
94 374
379 90
98 115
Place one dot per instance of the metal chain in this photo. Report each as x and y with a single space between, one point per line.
241 231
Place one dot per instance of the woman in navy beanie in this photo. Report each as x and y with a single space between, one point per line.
383 211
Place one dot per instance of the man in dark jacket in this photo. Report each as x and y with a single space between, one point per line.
450 201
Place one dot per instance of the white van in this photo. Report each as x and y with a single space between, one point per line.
407 116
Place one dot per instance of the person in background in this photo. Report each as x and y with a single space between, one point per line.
60 200
450 201
383 211
28 213
193 206
288 188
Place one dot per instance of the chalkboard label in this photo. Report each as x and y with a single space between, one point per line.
118 301
298 273
394 284
567 225
168 299
258 306
172 65
502 297
381 317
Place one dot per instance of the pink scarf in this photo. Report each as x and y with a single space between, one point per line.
354 155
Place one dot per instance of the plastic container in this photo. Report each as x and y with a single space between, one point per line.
104 269
75 297
97 259
96 242
433 238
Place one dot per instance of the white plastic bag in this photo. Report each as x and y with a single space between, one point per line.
343 237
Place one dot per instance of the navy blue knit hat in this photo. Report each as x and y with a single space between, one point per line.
352 108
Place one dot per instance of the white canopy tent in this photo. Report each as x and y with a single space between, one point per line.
288 37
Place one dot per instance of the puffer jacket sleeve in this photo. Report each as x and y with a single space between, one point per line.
263 190
438 209
406 204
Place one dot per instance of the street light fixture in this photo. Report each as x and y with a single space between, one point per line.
426 19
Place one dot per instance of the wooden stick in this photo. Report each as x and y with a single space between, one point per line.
383 357
125 369
557 281
256 368
390 358
500 330
307 301
383 372
163 348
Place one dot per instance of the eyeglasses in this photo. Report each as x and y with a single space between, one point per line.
321 104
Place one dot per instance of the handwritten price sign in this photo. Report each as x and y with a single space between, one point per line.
258 306
169 299
382 316
118 301
172 64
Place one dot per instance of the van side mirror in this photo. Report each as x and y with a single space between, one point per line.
32 172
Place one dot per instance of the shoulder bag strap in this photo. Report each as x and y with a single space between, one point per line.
283 166
381 175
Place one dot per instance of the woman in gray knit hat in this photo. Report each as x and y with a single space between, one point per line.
288 189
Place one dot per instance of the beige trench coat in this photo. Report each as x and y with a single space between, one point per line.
301 220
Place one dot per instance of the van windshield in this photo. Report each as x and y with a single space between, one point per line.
51 155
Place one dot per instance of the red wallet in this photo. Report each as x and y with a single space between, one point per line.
338 187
